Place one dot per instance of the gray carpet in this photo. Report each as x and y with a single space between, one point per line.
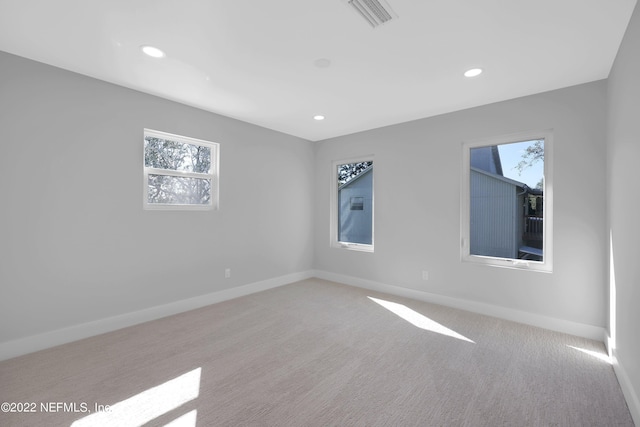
315 353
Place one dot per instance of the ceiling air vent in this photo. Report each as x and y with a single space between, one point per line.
375 12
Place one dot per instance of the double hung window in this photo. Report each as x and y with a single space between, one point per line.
180 173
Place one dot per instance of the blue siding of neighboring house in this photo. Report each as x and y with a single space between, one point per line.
355 226
495 216
487 159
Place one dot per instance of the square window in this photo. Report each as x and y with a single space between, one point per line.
180 173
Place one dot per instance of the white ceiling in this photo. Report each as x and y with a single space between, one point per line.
254 60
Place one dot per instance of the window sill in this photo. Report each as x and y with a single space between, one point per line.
168 207
513 264
354 247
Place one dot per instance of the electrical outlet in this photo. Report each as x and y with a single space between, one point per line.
425 275
227 273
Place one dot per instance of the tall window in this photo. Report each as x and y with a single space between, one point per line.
352 204
507 201
179 172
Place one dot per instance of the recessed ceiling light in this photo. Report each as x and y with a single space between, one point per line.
318 117
473 72
322 63
153 52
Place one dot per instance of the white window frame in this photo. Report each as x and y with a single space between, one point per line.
333 226
546 265
212 175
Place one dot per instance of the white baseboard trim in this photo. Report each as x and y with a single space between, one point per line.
551 323
630 395
21 346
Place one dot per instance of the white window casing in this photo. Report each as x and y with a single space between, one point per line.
211 176
546 265
367 207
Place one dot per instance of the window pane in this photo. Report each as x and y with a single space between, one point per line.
506 200
355 203
172 155
179 190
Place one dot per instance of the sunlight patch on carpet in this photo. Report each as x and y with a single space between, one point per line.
597 355
418 320
149 404
186 420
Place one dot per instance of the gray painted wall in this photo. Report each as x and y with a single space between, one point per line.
624 204
77 246
417 205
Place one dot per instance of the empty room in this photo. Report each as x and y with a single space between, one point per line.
319 213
